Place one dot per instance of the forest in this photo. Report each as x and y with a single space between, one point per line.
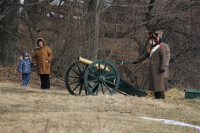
113 30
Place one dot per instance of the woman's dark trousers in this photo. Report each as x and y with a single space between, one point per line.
45 81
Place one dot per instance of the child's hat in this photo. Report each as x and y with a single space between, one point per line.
25 55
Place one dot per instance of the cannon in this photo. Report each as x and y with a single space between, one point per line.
101 76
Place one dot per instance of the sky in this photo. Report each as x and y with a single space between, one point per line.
22 1
54 2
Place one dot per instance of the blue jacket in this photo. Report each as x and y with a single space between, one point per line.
25 66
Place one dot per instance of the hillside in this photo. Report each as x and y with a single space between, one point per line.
29 109
11 74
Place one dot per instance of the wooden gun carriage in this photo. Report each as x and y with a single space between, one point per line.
95 77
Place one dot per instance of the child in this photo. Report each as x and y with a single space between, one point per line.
24 68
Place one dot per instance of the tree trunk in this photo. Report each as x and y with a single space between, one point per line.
97 25
90 48
8 33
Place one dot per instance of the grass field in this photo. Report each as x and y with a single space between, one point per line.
31 110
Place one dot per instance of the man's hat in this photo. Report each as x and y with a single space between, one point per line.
153 35
160 33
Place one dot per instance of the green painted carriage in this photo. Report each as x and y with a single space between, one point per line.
101 76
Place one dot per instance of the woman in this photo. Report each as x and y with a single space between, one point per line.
42 58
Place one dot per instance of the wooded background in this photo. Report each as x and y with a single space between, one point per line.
114 30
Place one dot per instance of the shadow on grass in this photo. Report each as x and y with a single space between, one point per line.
25 90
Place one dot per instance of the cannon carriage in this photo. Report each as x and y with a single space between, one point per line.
101 76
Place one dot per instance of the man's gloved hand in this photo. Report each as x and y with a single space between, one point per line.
134 62
162 71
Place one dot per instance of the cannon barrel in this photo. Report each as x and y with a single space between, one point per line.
88 62
85 61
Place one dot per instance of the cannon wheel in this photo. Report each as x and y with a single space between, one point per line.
74 78
101 80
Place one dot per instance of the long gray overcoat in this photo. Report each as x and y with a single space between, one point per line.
157 62
167 52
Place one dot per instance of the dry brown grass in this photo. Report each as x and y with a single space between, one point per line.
28 109
11 74
172 93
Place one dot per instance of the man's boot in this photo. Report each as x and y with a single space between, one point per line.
156 95
162 95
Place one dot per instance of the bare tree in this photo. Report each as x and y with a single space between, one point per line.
9 32
116 30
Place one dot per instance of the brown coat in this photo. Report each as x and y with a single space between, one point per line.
167 51
157 62
41 55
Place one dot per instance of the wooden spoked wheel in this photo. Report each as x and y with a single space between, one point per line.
101 76
74 78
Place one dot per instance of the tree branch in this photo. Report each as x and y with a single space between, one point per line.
30 24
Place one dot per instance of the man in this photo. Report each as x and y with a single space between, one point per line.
157 66
167 53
